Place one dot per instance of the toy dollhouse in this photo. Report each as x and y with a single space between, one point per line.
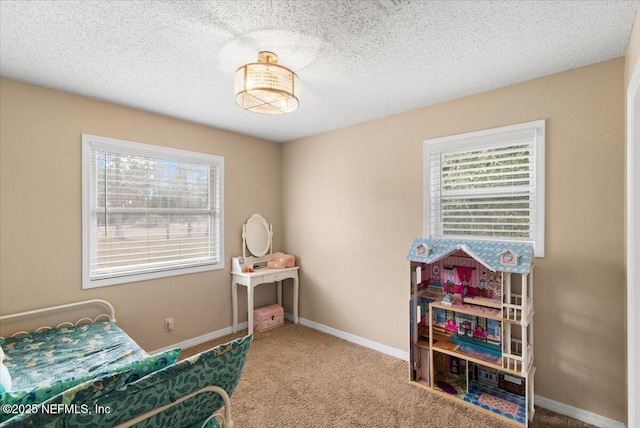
471 324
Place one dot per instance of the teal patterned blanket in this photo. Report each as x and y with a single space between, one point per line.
67 353
127 399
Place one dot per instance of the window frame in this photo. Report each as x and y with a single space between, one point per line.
488 138
91 143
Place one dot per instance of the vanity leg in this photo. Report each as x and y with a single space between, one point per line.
295 299
250 309
234 304
279 292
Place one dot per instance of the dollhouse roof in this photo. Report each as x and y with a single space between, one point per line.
486 253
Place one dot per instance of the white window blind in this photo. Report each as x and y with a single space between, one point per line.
487 185
149 211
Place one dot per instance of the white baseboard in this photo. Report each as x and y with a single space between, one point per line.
579 414
202 339
394 352
554 406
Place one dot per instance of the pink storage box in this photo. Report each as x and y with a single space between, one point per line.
268 317
275 265
281 259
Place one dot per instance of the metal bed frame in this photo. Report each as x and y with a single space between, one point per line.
110 316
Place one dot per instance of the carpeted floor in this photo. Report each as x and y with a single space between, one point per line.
299 377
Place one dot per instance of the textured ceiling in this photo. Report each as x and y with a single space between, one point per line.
357 60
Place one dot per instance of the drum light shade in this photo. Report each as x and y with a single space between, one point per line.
266 87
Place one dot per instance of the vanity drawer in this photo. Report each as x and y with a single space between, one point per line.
273 277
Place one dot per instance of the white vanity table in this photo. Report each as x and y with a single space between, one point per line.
257 238
262 276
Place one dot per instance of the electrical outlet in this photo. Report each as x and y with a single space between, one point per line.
168 324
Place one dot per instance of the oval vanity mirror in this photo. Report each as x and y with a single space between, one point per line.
257 235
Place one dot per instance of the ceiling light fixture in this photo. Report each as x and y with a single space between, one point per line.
266 87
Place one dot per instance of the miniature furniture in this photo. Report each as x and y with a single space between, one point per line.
251 271
98 372
471 324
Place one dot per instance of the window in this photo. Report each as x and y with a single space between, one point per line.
148 212
487 185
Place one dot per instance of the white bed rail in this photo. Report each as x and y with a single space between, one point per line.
226 419
110 316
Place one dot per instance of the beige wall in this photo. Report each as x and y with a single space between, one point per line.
352 204
40 211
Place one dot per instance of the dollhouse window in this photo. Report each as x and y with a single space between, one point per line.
487 185
422 250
